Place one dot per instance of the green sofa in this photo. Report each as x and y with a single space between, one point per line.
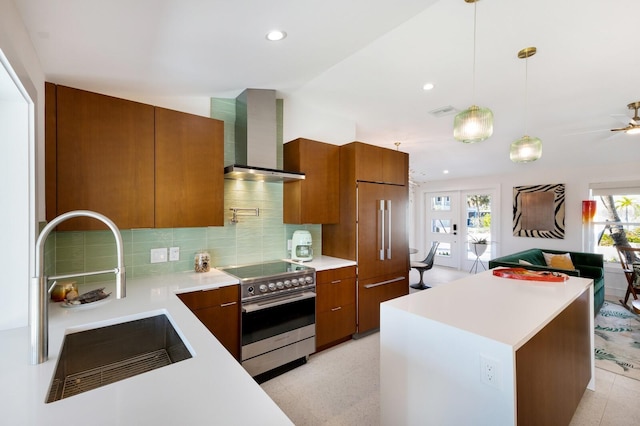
588 265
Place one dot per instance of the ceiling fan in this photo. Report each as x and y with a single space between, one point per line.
633 124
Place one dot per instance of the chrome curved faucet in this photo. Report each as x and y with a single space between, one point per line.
38 300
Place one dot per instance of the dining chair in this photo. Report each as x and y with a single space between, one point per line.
630 261
425 265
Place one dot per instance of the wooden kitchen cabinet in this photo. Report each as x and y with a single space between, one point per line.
374 236
316 198
140 165
102 149
189 172
335 306
372 292
382 165
219 310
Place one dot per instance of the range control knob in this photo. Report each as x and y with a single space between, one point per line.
250 291
295 282
280 285
263 288
292 282
272 286
309 279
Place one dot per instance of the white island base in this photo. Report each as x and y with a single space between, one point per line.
486 350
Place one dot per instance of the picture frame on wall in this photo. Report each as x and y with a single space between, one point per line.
539 211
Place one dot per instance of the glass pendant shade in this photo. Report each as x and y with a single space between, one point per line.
526 149
472 125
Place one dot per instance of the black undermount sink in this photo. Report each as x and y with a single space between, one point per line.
100 356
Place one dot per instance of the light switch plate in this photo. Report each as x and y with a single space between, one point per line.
174 254
158 255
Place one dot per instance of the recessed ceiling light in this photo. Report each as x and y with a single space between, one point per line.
428 86
276 35
446 172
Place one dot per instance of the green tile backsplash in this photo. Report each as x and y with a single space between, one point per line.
252 239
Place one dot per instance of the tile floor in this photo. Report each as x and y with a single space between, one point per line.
340 386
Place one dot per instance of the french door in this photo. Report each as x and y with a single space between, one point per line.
455 219
442 225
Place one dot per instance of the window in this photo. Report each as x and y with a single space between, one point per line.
617 219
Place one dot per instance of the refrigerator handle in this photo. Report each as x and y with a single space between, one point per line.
389 230
381 229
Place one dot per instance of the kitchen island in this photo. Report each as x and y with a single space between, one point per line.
487 350
209 388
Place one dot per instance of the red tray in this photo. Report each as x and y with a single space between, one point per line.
526 274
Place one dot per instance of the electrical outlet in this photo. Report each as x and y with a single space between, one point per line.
490 371
174 254
158 255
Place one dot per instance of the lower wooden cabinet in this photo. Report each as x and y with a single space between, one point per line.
335 306
372 292
219 310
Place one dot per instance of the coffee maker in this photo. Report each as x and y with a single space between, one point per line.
301 246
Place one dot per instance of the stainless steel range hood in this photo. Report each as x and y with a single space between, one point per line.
256 141
241 172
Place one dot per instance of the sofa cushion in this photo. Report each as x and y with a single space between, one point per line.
560 261
534 257
592 272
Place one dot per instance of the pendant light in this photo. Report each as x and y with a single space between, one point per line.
527 148
474 124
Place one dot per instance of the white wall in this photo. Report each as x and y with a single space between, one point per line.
22 146
577 180
14 216
302 120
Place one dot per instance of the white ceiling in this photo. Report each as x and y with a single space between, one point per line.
366 61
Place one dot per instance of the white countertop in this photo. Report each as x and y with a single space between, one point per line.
502 309
323 263
210 388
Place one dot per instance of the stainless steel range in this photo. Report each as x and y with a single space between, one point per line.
278 323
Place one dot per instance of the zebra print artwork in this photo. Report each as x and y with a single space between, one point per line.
538 211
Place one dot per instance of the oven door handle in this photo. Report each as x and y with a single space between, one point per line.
253 307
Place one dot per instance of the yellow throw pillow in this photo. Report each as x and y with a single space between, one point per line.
560 261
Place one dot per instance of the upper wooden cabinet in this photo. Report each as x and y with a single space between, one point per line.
382 165
103 149
316 198
188 171
141 166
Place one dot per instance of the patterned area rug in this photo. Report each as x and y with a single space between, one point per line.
617 340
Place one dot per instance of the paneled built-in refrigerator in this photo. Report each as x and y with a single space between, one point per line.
372 228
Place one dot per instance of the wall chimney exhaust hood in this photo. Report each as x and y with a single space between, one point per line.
256 141
240 172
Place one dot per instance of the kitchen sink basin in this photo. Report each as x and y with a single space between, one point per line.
93 358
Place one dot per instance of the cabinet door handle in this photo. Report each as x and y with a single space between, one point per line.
336 309
395 280
381 229
336 281
389 227
224 305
